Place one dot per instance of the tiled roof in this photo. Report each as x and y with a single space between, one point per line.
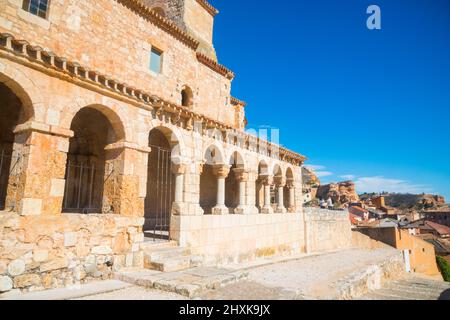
215 66
359 209
442 230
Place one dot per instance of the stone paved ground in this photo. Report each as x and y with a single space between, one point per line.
309 277
315 277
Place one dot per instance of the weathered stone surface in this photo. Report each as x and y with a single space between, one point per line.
16 267
6 283
56 264
40 255
70 239
102 250
27 280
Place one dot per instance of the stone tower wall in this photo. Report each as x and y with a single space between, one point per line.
113 40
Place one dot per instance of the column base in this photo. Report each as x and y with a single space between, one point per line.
267 210
220 210
281 210
179 209
292 210
243 210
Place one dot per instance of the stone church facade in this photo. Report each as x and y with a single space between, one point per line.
117 128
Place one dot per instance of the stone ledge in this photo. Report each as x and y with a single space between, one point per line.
189 283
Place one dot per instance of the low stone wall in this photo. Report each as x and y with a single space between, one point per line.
237 238
327 230
42 252
371 277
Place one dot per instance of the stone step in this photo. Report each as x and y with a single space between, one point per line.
166 253
167 259
414 288
189 283
411 288
169 265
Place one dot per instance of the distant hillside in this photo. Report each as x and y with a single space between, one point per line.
411 201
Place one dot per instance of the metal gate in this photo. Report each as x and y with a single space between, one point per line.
84 190
160 194
9 176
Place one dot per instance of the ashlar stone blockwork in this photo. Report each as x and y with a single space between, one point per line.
98 153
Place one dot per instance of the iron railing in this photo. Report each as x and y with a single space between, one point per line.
10 165
85 187
159 212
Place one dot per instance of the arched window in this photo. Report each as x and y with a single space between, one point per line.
186 97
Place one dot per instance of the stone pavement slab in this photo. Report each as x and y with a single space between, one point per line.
189 283
73 292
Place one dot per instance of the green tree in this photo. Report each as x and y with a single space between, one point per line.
444 267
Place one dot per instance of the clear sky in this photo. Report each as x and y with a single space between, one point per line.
368 105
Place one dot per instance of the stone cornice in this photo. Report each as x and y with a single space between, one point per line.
45 61
161 22
236 102
210 63
208 7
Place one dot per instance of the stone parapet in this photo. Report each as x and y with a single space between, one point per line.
43 252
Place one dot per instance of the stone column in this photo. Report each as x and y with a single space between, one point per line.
36 183
242 179
178 207
292 207
281 183
267 182
221 172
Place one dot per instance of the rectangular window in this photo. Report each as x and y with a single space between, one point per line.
155 60
36 7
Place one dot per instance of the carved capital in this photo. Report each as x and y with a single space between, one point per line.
280 182
290 183
240 174
178 169
266 180
221 171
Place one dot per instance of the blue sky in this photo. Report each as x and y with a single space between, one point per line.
370 105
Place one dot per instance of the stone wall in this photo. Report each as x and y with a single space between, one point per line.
43 252
80 31
327 230
232 238
237 238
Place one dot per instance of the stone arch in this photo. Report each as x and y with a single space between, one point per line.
277 170
112 114
175 138
92 161
160 182
236 158
16 107
26 91
237 166
213 156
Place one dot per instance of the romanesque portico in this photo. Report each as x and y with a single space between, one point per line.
97 156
